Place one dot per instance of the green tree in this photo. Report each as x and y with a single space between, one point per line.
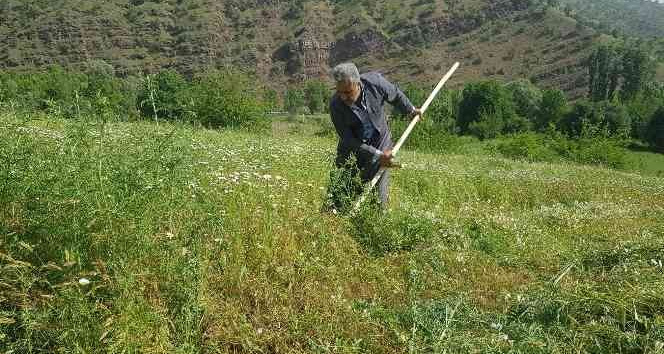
615 119
316 95
656 130
106 93
270 99
527 98
604 72
486 110
605 117
294 100
165 93
637 70
226 98
552 109
581 116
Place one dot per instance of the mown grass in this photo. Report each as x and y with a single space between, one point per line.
213 241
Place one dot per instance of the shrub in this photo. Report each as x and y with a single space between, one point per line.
615 120
316 96
587 117
527 146
226 99
106 94
552 109
294 101
597 150
572 123
486 110
435 131
165 93
527 98
656 130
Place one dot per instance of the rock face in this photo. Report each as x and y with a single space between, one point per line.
355 44
309 58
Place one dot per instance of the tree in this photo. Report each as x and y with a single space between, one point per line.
163 95
226 98
486 110
589 118
615 119
637 70
656 130
527 98
270 99
604 72
316 96
294 100
582 116
552 109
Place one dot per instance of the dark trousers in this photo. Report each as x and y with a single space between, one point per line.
349 181
382 187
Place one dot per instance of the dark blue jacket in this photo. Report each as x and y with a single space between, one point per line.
376 90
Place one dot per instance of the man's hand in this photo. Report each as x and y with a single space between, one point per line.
415 112
386 159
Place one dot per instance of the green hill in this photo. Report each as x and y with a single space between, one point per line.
138 237
290 41
640 18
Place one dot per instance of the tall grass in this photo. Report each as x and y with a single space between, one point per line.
213 241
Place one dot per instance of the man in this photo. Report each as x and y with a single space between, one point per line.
356 110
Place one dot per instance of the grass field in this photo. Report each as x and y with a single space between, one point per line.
195 240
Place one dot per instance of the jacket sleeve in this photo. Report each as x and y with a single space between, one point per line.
348 143
393 95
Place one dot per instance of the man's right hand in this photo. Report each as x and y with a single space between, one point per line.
386 159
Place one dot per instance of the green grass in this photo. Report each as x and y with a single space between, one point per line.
212 241
650 163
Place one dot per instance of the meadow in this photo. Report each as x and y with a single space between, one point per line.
169 238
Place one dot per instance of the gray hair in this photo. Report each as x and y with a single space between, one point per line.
346 72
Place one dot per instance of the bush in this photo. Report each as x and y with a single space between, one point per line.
226 99
552 109
642 108
615 120
69 94
105 94
656 130
488 126
597 150
527 98
294 101
581 115
165 93
594 150
487 111
527 146
316 96
435 132
608 117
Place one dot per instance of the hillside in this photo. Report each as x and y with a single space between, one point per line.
137 237
288 41
639 18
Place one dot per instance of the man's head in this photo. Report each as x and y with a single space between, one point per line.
347 78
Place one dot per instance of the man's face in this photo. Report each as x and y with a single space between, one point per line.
348 91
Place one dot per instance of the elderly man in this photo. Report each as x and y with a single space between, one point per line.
357 113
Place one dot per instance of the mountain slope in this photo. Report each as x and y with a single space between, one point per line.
293 40
640 18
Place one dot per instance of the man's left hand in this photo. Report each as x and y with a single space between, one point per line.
416 112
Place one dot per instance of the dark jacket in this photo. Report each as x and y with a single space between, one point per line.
375 91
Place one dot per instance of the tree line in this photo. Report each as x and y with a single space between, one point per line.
624 101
